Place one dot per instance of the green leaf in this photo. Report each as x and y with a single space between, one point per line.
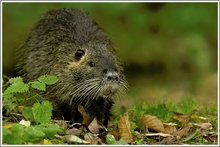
16 88
38 85
32 134
110 139
42 112
28 114
9 102
17 131
8 138
16 80
48 79
139 141
17 85
49 129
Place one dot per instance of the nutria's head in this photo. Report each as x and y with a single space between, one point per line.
88 71
95 72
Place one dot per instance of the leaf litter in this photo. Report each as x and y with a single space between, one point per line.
183 129
153 131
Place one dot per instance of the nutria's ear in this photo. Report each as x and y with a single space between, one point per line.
79 53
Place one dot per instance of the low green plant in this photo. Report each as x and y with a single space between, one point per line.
16 92
111 141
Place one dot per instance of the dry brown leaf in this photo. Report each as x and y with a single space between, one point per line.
72 139
124 128
205 126
183 132
91 137
94 126
86 117
214 138
182 118
169 129
167 141
152 122
115 134
74 131
62 123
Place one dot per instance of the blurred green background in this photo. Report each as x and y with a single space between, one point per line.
169 49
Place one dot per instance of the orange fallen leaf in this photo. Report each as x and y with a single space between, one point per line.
86 117
169 129
115 134
152 122
124 128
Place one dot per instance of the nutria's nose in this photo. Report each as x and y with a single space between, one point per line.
111 75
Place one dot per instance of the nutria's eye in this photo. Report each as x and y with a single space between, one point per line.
91 63
79 53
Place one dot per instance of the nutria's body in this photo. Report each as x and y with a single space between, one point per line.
67 43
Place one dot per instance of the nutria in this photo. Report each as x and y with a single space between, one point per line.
69 44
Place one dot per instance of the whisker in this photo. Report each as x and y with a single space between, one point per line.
84 89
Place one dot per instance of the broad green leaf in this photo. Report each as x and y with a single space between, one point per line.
16 88
49 129
16 80
9 102
28 113
42 112
17 132
17 85
38 85
48 79
8 138
110 139
32 134
14 136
